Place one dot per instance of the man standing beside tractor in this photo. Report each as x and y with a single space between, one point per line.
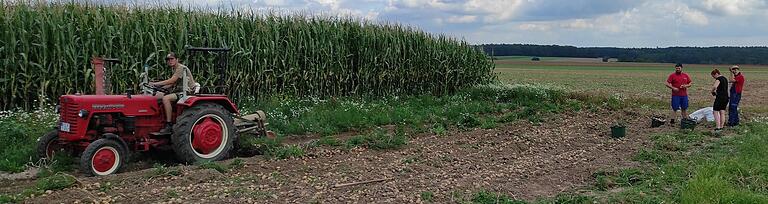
679 83
168 99
736 88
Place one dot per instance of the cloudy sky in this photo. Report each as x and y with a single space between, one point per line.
621 23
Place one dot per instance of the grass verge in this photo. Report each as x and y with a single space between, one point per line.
18 136
469 108
478 107
685 168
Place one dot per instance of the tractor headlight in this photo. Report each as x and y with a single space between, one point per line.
57 109
83 113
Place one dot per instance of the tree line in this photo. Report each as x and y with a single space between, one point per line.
687 55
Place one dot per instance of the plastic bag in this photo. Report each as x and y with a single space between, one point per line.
701 114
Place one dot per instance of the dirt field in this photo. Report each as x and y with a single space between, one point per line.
519 159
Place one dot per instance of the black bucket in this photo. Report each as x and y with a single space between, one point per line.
618 131
657 122
687 124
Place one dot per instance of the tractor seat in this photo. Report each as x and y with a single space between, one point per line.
196 90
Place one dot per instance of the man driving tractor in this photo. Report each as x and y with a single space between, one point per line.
175 85
105 129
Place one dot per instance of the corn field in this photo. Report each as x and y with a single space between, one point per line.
45 51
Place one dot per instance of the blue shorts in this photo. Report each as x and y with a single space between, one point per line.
679 102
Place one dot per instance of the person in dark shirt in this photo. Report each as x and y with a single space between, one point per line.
720 92
736 88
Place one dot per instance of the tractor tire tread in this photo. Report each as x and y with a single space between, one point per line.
183 128
85 158
42 144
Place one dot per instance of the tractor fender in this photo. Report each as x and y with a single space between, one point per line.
114 137
218 99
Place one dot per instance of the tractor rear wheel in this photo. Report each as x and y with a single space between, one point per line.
49 144
102 157
203 133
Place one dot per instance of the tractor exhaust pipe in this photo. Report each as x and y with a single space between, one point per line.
102 84
99 79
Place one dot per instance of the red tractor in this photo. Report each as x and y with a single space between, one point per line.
104 129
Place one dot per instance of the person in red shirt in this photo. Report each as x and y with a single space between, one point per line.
736 88
679 83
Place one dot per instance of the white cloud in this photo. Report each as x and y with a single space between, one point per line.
332 4
461 19
733 7
430 4
692 16
272 2
651 16
623 22
491 11
496 10
534 27
577 24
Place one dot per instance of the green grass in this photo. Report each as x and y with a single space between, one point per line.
160 170
427 196
272 148
466 109
287 151
19 131
9 199
236 164
485 197
379 139
105 187
438 129
60 163
470 108
215 166
623 178
734 172
489 197
56 182
684 168
329 141
172 193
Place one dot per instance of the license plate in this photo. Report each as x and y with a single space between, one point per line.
64 127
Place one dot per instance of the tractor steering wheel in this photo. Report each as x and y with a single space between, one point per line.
155 89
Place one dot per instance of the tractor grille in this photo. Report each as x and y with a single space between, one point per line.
69 115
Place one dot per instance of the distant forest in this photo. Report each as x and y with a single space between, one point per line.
686 55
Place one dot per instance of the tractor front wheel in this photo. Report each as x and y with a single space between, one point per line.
49 144
102 157
203 133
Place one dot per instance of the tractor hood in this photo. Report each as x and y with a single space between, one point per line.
136 105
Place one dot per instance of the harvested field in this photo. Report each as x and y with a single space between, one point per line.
637 81
519 159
